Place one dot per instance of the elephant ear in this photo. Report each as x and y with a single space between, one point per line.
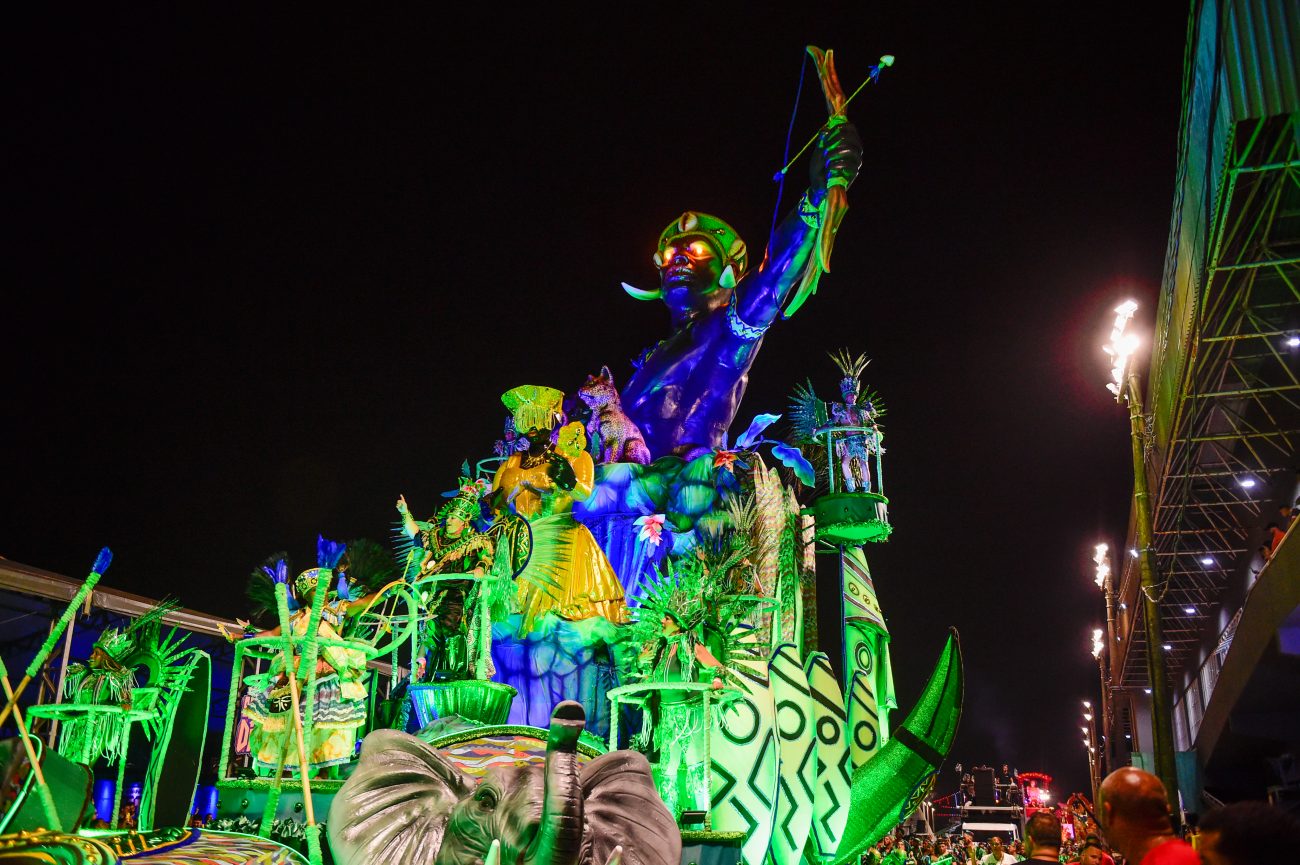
623 809
394 807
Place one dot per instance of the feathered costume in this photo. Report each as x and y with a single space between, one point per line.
691 625
109 676
809 417
339 701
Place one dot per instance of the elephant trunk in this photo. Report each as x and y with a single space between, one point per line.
559 836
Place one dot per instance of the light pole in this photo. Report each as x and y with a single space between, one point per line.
1098 746
1124 385
1099 649
1090 745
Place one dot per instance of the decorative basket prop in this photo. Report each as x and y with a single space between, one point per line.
487 703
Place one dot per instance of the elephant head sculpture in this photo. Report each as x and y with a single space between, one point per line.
405 804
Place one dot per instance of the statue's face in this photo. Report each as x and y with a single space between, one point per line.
849 390
689 273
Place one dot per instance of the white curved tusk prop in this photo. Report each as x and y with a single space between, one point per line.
643 294
616 857
493 856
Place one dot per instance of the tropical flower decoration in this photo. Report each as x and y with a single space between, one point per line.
478 488
652 528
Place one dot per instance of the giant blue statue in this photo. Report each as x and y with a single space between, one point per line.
687 388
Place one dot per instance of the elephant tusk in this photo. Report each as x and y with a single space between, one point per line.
493 856
616 857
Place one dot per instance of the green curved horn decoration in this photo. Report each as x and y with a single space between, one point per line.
891 784
643 293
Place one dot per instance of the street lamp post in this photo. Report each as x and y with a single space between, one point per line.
1097 651
1090 745
1103 653
1125 386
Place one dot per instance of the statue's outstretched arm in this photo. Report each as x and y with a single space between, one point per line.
791 250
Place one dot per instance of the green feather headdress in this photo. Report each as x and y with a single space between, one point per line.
465 504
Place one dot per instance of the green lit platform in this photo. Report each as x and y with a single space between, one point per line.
711 848
850 519
247 798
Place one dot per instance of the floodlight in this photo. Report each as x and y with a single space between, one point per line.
1103 564
1121 346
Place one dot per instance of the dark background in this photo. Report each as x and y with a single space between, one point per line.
273 268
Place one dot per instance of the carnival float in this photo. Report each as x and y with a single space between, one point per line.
602 646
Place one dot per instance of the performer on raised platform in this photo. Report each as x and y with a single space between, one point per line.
541 485
449 544
855 448
339 708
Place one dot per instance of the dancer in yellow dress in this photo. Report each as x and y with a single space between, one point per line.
541 485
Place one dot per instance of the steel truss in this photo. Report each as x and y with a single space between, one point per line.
1237 419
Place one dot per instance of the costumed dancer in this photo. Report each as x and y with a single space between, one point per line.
339 706
451 545
108 677
688 627
676 720
854 449
541 485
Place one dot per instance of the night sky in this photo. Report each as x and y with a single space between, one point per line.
271 269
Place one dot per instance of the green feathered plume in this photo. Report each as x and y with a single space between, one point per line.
368 566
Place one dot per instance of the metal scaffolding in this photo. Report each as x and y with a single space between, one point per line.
1236 417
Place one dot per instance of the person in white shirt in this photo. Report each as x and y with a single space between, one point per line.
997 855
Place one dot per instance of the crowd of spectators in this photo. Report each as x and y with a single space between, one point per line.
1137 828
